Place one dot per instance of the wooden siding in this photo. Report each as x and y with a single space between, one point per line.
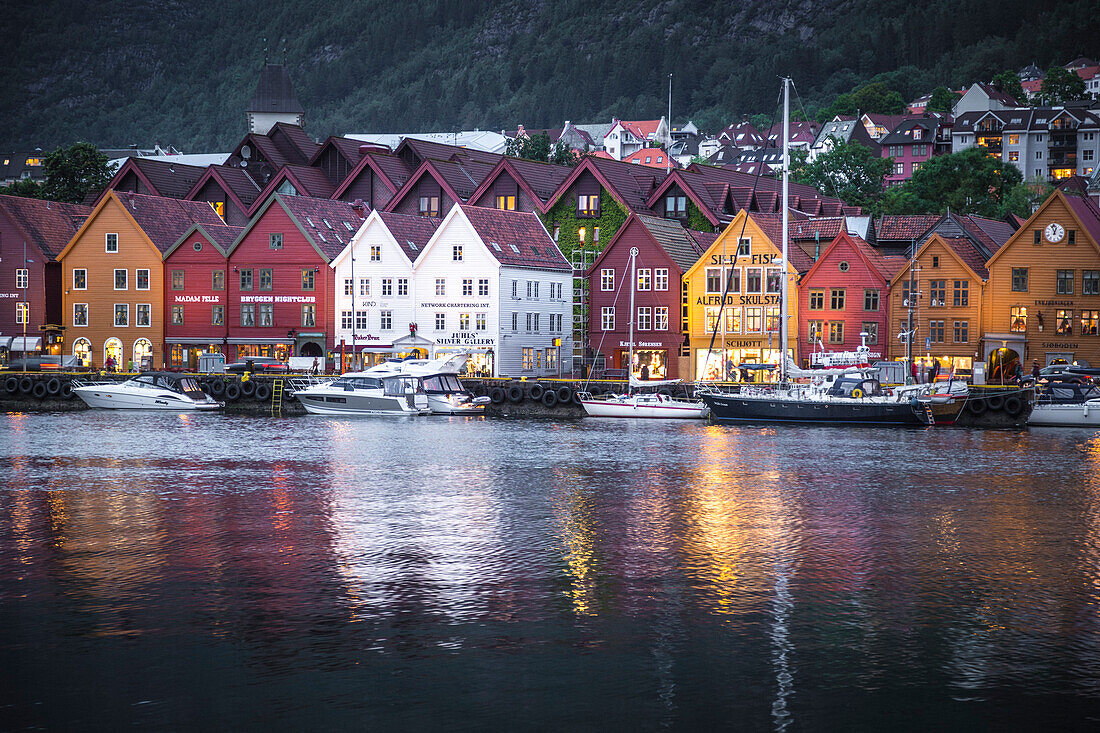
1043 262
198 297
213 192
135 252
11 259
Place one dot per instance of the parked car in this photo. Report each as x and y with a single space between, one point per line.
257 364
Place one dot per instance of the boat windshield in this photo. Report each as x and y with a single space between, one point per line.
440 383
352 383
402 385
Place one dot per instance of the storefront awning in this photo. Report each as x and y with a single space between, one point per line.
261 342
191 341
26 343
412 341
5 342
371 348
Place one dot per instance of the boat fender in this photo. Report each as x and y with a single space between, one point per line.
857 393
565 394
217 387
550 398
53 387
26 384
67 391
263 392
232 392
537 391
248 387
497 395
996 402
515 393
39 390
977 406
577 399
1014 406
11 385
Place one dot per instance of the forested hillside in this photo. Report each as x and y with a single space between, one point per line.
142 71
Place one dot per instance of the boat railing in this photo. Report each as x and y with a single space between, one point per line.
298 383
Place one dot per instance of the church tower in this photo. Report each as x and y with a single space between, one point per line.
274 101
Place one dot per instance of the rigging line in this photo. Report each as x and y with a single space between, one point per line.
603 334
744 223
832 182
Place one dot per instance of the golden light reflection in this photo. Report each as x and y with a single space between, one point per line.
579 537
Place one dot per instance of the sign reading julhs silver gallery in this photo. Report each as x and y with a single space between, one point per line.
465 338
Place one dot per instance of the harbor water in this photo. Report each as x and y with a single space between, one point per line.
217 572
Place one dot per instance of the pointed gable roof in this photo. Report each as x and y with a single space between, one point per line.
630 185
678 242
539 180
326 223
411 232
391 170
421 150
962 249
220 236
904 227
163 177
234 181
48 225
298 147
274 92
884 267
772 226
309 182
502 230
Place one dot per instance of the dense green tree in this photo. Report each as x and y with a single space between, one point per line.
943 100
1061 85
25 188
968 182
875 97
74 171
1009 83
849 171
538 147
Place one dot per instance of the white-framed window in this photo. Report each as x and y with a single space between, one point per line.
714 279
463 321
80 314
345 320
80 279
515 322
375 253
360 320
143 279
530 320
515 289
22 278
387 286
536 328
111 243
387 320
145 313
607 318
607 279
467 286
645 318
22 312
660 278
402 286
660 318
349 286
122 314
645 279
121 279
483 287
479 321
364 286
440 289
456 253
440 321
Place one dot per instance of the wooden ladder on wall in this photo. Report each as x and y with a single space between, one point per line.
277 398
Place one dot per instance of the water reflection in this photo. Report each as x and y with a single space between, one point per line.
413 574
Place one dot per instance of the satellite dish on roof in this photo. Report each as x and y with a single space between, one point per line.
246 152
244 164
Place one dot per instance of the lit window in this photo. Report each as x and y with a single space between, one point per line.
112 243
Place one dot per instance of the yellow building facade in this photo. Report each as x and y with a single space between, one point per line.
732 295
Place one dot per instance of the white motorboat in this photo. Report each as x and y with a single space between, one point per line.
148 391
1067 404
643 405
361 393
446 395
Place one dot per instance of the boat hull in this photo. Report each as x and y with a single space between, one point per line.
351 405
1079 416
736 408
673 411
113 399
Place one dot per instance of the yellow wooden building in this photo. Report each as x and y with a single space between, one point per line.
732 295
1042 300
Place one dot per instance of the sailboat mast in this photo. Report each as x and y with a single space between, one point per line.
630 358
783 202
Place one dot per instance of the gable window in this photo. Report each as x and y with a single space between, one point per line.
1064 282
607 279
440 286
744 246
588 205
1071 235
506 203
660 278
961 293
112 243
177 280
275 241
1019 279
676 207
217 280
429 206
308 278
375 253
266 279
80 279
120 279
246 280
456 253
644 279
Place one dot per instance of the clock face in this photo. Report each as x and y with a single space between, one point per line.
1054 232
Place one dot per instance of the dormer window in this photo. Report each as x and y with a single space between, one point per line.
286 187
429 206
676 207
588 205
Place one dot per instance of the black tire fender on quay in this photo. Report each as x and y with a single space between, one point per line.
217 387
11 385
26 384
497 395
515 393
996 402
53 386
39 390
232 391
550 398
263 392
577 398
977 406
248 388
565 394
67 391
537 390
1014 406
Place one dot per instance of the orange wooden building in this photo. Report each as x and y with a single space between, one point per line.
112 277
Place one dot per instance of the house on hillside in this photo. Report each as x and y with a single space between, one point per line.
843 131
629 136
981 97
911 144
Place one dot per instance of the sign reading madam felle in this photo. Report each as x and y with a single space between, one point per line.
467 338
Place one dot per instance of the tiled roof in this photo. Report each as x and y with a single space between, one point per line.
739 185
464 176
312 213
543 178
703 240
298 147
905 226
641 129
316 183
224 235
164 220
889 122
171 180
1006 99
992 233
424 149
742 134
969 253
274 92
632 183
411 232
394 167
887 265
1089 214
657 158
242 185
772 226
802 131
501 230
903 133
824 228
675 240
48 224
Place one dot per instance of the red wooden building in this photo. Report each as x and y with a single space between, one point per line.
279 285
846 291
196 317
665 252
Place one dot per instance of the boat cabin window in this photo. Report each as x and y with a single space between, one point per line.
442 383
397 385
357 383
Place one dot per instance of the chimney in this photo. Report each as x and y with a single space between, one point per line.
359 208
